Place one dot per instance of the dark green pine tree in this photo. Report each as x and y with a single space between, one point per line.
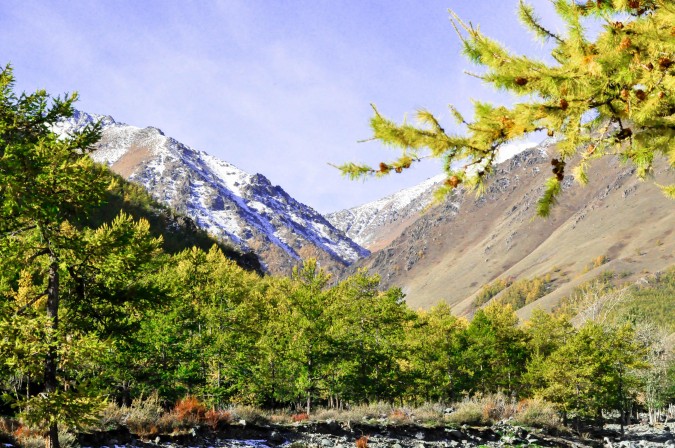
612 95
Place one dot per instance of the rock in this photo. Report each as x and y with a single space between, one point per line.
327 442
396 445
276 438
448 410
456 433
242 422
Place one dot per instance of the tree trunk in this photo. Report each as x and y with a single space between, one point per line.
52 440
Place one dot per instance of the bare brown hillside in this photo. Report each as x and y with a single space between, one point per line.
449 252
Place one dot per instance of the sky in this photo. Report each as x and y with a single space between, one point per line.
277 87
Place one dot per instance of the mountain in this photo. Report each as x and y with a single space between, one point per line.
376 224
452 249
240 208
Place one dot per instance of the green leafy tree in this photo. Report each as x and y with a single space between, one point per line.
434 343
369 330
495 350
296 343
48 184
614 94
594 370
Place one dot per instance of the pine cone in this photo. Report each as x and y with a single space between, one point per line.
563 104
625 43
665 63
453 181
520 81
640 94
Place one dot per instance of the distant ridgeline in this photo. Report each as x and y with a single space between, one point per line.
178 231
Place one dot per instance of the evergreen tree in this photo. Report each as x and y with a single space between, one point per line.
611 95
48 184
495 350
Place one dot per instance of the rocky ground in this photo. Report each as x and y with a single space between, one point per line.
337 435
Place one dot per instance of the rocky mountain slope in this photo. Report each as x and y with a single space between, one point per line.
376 224
454 248
241 208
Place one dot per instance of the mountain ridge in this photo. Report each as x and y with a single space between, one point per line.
449 252
240 208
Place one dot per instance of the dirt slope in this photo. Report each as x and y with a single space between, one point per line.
456 247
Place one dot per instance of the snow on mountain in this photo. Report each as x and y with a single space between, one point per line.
377 223
231 204
370 224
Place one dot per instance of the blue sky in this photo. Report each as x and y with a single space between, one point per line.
277 87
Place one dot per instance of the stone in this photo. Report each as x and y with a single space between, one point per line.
276 438
456 433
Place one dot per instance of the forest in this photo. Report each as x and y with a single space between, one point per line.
97 307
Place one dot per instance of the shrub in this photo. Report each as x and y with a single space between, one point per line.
29 438
526 291
490 290
497 407
537 413
367 412
483 410
429 413
217 419
327 414
399 416
112 417
301 417
362 442
469 411
189 410
143 415
599 261
250 414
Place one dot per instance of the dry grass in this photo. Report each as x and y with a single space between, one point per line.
399 417
250 414
146 418
28 438
537 413
428 413
483 410
469 411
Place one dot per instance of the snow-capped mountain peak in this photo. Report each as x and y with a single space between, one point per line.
242 208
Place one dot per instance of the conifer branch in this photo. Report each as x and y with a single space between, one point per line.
526 13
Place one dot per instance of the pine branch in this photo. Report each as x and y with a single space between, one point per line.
526 14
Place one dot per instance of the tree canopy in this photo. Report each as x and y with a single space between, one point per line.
612 95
